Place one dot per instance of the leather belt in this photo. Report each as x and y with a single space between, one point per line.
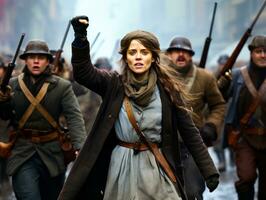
136 146
254 131
36 136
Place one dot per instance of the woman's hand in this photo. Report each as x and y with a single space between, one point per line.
80 24
212 182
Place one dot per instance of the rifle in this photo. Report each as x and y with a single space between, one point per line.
230 62
207 41
95 39
11 66
115 51
58 53
97 49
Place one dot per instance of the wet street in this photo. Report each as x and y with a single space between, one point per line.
225 190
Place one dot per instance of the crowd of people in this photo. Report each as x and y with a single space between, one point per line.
141 133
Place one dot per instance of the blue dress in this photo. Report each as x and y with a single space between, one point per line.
138 176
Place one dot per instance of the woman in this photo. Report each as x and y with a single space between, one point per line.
108 167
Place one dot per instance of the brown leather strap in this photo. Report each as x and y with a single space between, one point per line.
254 131
34 101
33 105
254 104
39 138
153 148
136 146
248 82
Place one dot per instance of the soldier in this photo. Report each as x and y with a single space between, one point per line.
4 181
220 63
202 86
2 69
250 143
36 163
219 145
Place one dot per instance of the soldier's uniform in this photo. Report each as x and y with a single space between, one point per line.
201 86
250 149
37 163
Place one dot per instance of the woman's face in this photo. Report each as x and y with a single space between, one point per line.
138 58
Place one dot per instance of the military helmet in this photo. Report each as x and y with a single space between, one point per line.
222 59
258 41
2 64
181 43
37 47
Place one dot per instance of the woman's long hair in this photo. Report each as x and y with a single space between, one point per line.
167 75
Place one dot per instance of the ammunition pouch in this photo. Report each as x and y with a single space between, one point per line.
233 137
38 137
67 148
62 137
6 147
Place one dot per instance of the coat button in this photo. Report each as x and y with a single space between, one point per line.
109 116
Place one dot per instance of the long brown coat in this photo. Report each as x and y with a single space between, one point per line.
205 91
88 175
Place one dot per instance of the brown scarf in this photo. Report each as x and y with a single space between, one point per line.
140 90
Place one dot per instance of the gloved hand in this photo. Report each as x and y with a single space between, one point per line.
212 182
208 133
80 24
7 95
225 80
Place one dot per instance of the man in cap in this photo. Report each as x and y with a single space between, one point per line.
202 87
250 146
219 147
220 63
36 163
2 69
4 180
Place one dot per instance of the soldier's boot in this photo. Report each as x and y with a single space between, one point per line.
245 191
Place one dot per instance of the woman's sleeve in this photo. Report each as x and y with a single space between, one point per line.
194 143
85 73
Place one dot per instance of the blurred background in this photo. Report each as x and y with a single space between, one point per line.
48 19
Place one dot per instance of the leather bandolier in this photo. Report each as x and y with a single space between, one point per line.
234 134
37 136
145 144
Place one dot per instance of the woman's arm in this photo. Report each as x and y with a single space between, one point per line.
84 71
193 141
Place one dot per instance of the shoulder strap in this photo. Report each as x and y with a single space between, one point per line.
248 82
254 104
153 148
35 104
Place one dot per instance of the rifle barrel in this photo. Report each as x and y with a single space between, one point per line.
231 61
65 35
11 66
213 17
257 16
208 40
92 44
18 48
